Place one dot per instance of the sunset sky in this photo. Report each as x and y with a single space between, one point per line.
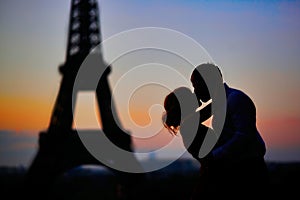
255 43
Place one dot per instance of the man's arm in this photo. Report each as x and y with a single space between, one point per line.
241 112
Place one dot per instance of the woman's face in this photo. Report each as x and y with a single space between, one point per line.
173 114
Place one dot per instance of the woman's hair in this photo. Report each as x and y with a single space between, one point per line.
172 116
178 104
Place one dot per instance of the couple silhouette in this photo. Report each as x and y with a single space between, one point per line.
234 166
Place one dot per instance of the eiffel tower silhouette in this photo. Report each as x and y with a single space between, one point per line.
60 148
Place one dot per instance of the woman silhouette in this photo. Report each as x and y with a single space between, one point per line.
182 115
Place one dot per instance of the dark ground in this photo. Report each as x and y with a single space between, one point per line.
173 182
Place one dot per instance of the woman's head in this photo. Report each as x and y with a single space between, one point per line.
178 104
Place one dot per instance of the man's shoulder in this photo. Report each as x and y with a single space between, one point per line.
237 96
234 92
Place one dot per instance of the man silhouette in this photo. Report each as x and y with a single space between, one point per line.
236 164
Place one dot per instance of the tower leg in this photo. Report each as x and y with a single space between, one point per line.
59 153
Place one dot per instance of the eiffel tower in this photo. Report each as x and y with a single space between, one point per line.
60 148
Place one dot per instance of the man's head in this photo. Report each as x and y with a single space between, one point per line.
200 87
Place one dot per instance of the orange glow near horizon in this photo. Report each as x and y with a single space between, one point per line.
24 113
140 117
161 139
280 132
86 113
21 113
